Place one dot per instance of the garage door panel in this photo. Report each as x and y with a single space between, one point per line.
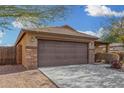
55 53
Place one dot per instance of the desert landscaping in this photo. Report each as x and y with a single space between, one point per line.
16 76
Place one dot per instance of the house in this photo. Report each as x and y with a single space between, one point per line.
54 46
117 47
102 47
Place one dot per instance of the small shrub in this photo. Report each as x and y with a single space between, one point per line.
122 62
116 64
121 54
111 57
107 57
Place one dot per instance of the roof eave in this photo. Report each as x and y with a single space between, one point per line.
22 32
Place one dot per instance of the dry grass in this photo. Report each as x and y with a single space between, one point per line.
107 57
15 76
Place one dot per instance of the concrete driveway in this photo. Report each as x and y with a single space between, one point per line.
85 76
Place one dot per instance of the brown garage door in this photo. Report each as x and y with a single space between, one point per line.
56 53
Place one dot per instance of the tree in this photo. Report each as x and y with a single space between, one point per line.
33 16
114 32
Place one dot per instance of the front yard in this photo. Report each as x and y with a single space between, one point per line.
72 76
15 76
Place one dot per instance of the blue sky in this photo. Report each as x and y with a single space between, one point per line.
88 19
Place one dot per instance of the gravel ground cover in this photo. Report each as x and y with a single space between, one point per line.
85 76
15 76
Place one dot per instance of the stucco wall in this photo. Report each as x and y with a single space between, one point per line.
31 39
91 49
21 58
31 57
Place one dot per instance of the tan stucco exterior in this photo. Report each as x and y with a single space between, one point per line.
21 53
29 41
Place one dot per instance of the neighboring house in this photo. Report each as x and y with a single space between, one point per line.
100 49
117 47
54 46
101 46
111 47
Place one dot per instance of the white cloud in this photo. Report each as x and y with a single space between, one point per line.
97 34
2 34
23 22
100 32
102 10
17 24
90 33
